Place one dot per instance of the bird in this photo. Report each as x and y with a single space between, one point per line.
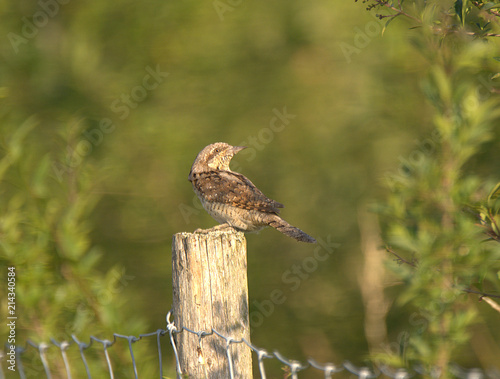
231 198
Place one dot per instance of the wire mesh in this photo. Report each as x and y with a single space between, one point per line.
293 367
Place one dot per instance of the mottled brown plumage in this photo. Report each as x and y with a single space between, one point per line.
231 198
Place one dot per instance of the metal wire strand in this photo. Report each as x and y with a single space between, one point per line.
130 339
82 346
460 372
42 349
329 369
362 372
2 358
261 355
106 344
399 373
171 330
295 366
433 372
63 346
229 341
19 362
159 333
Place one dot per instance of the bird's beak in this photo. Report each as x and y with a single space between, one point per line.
237 149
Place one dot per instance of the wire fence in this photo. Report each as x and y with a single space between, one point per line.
292 367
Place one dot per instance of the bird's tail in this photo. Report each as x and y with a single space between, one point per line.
291 231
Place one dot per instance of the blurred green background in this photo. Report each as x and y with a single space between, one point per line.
126 93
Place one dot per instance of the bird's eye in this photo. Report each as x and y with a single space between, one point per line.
217 150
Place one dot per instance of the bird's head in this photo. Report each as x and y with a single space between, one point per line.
215 157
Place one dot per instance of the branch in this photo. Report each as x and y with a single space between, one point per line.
483 294
486 297
482 35
490 11
400 259
490 232
493 235
399 11
384 3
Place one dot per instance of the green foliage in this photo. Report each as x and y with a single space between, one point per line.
488 213
427 224
44 236
98 202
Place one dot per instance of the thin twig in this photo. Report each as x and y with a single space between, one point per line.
490 11
401 259
490 232
399 11
484 295
482 35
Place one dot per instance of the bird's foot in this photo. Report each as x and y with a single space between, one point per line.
213 229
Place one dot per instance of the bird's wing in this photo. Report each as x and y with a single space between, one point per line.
235 189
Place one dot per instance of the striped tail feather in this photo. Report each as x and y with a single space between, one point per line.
291 231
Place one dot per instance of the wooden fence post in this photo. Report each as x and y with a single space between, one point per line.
209 273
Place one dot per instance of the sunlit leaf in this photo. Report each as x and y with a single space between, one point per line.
495 192
39 181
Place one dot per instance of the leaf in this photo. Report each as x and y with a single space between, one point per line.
15 144
20 134
489 6
459 10
39 181
387 24
464 9
494 225
495 192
